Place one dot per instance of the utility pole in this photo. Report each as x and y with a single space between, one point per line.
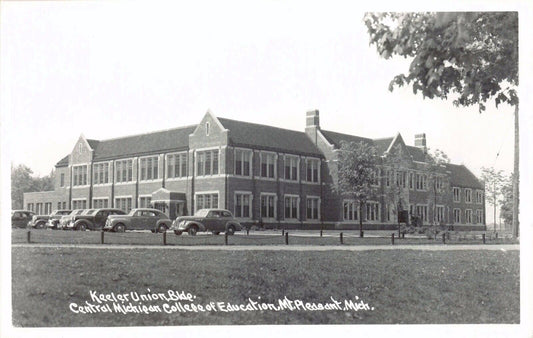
516 176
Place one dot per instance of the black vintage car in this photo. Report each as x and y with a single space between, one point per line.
40 221
93 219
20 218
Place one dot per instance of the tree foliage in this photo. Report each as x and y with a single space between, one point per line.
22 181
494 180
506 200
356 169
473 55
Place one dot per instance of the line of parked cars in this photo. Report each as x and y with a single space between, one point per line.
116 220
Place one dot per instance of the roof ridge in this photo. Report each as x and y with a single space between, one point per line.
336 132
259 125
148 133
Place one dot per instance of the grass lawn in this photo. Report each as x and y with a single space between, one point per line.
404 286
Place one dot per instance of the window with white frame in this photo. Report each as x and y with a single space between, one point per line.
243 160
79 204
62 180
456 194
177 165
58 205
292 207
391 215
123 203
313 204
99 203
291 168
468 195
411 180
422 212
479 216
268 165
207 162
79 175
144 201
206 201
479 197
389 177
351 210
401 177
439 211
372 211
268 206
149 167
421 182
243 202
30 207
123 171
468 216
47 208
312 170
101 173
457 215
439 183
412 210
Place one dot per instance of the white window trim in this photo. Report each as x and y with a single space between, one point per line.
109 175
133 177
275 206
460 216
89 178
378 214
158 179
318 205
356 208
143 196
466 194
241 192
297 207
196 151
427 211
437 206
101 199
459 195
319 165
289 156
180 178
251 153
209 192
471 216
276 157
120 197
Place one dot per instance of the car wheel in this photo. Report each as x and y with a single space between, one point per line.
178 232
120 228
193 230
216 232
231 230
40 225
162 228
82 227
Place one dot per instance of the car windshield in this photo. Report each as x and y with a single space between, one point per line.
132 212
76 212
201 213
88 212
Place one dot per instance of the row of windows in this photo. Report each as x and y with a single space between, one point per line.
467 195
40 208
268 206
404 179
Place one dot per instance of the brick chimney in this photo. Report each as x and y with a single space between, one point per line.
312 124
420 142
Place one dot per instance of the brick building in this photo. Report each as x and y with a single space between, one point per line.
264 175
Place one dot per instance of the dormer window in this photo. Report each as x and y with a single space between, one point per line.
207 128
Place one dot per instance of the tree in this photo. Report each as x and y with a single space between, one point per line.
22 181
471 56
493 180
357 163
506 201
436 165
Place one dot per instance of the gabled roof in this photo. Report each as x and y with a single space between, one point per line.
382 144
461 176
417 154
63 162
336 138
93 143
264 137
159 141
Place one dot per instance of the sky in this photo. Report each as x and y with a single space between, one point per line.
111 69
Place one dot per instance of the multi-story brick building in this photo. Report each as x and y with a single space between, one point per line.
264 175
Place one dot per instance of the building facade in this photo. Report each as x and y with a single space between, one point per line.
266 176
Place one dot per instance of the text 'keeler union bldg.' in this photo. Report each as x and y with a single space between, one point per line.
264 175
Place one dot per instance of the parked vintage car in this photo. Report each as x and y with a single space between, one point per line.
64 220
20 218
139 219
40 221
214 220
93 219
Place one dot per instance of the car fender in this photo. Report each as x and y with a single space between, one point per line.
237 226
200 226
166 222
90 224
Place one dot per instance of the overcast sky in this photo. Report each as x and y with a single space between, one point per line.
110 69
